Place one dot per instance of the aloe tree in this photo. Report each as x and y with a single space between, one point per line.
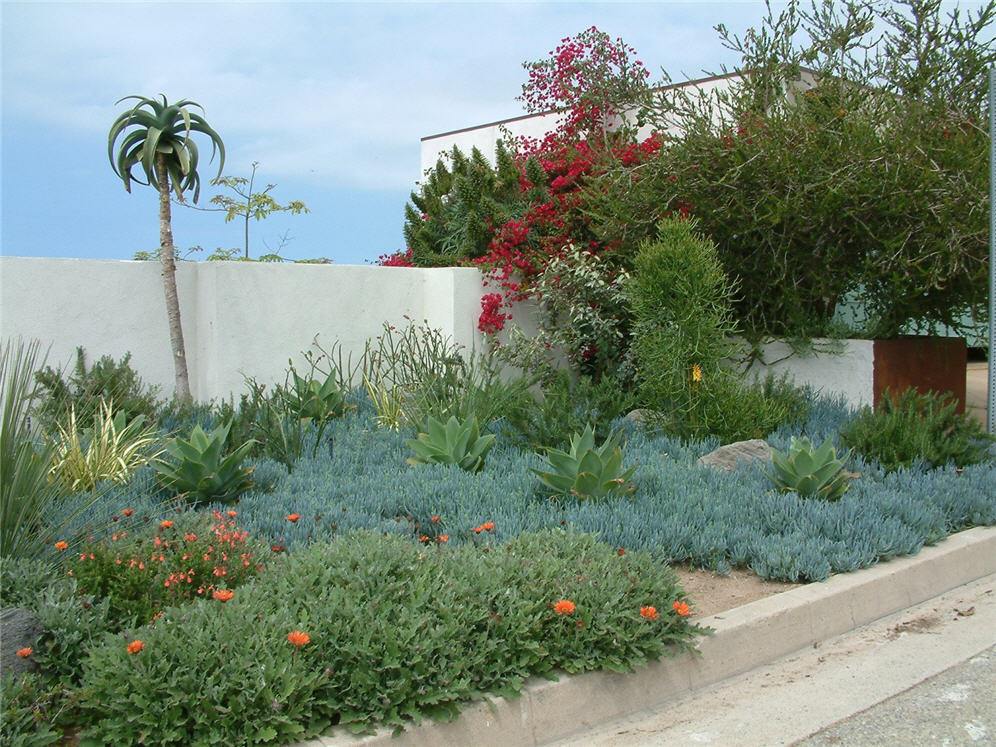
156 136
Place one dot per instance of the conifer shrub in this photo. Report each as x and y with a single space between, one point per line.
914 427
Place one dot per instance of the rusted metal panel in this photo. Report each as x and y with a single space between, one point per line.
925 363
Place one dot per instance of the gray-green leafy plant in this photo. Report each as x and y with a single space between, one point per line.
587 471
810 471
156 137
202 472
457 442
314 399
249 203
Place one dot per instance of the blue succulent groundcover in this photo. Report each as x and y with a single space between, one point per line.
679 511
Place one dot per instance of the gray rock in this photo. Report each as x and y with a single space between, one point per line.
638 417
742 452
19 628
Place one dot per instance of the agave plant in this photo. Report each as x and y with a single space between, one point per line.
110 450
456 442
810 471
318 401
586 471
202 474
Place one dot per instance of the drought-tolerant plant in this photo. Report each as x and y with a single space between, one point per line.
87 388
111 449
144 567
156 136
812 472
456 442
311 398
916 426
462 624
586 471
202 472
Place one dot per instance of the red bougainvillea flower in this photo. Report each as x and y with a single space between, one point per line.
298 638
564 607
223 595
60 545
127 512
165 524
25 652
135 646
650 613
293 517
682 608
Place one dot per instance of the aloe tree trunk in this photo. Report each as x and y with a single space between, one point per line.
169 283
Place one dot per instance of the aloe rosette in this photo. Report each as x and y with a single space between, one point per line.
586 471
810 471
202 473
456 442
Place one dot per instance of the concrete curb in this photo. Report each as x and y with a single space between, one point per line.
744 638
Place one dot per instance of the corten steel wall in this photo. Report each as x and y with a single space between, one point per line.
237 316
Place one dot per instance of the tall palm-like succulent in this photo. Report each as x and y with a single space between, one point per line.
156 136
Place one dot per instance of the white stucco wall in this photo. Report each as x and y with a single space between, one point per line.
238 317
838 367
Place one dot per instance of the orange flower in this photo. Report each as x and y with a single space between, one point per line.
435 519
650 613
231 514
682 608
696 373
60 545
277 548
488 526
293 517
298 639
25 652
165 524
443 538
127 512
135 646
564 607
223 595
478 530
620 551
424 538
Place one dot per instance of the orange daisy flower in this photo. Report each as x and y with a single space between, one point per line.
564 607
682 609
650 613
60 545
25 652
165 524
135 646
223 595
298 638
293 517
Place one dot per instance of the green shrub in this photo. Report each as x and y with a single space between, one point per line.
567 406
86 389
917 427
396 633
201 472
587 471
456 442
810 471
682 342
31 706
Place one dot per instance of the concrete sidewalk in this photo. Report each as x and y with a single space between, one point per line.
977 390
746 638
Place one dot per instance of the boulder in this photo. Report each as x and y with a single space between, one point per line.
19 628
742 452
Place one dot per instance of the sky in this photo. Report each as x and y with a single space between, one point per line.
330 98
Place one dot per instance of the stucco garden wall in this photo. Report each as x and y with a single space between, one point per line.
237 317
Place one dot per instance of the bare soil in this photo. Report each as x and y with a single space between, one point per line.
709 593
